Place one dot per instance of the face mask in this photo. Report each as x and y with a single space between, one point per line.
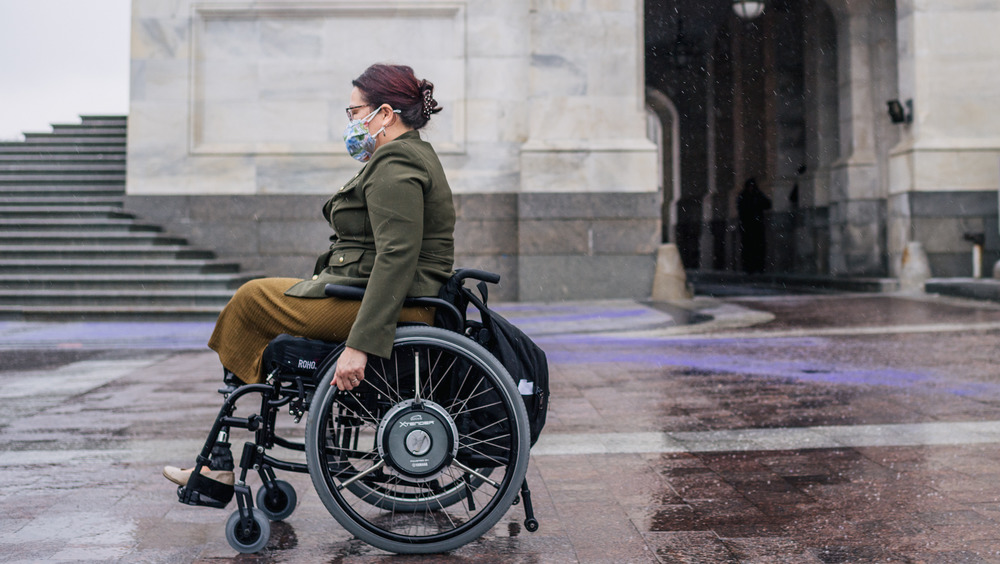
360 143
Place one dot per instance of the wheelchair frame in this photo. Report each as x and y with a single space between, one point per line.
248 528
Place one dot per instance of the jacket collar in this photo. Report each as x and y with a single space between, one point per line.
411 134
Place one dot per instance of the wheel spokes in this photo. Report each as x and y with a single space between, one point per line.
476 474
361 474
393 500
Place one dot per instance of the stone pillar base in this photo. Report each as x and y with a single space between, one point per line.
669 280
914 270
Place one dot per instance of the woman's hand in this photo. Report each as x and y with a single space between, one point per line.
350 369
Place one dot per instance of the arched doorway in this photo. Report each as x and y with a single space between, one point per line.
792 99
666 135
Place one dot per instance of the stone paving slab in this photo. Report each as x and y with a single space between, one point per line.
725 446
538 319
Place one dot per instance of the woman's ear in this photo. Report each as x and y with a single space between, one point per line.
392 115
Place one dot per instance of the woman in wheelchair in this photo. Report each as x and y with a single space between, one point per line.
390 442
393 227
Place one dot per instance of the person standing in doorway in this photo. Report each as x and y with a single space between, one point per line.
751 205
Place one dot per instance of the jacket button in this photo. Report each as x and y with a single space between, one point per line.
341 259
315 276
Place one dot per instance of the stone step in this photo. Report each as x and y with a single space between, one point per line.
124 281
116 297
33 238
120 128
115 120
77 138
92 312
119 266
47 167
67 158
11 211
49 179
22 148
64 143
87 251
74 226
64 130
63 192
58 201
69 251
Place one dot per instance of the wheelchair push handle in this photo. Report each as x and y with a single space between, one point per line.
352 293
357 293
475 274
445 308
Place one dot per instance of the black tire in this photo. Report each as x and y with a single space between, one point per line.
402 501
281 505
393 510
251 542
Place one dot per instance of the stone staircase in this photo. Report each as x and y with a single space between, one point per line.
69 252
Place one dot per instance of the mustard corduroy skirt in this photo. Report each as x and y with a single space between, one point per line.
260 311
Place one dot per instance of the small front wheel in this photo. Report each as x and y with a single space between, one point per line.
280 504
252 540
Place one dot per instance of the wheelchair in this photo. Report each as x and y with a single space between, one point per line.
427 454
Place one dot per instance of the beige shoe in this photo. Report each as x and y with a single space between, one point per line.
181 476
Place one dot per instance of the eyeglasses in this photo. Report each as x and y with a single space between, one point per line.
350 110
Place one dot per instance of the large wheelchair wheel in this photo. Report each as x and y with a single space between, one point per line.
428 453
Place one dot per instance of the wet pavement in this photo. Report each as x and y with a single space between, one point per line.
766 428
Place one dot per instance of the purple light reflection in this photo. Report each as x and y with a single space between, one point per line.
706 355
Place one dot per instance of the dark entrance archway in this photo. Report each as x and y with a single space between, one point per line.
777 99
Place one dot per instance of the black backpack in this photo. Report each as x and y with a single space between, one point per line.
523 359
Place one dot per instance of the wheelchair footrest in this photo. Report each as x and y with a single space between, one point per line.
206 492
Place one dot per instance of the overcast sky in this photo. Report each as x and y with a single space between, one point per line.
60 59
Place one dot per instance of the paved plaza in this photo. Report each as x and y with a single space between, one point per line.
767 428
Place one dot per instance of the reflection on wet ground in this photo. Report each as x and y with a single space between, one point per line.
805 446
863 310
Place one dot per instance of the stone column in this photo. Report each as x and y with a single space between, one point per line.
589 206
822 138
713 204
748 118
785 131
944 171
856 204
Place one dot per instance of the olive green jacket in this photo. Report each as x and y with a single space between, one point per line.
393 226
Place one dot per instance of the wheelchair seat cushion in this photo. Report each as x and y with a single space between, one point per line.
287 357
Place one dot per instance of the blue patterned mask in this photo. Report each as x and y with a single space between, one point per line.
360 143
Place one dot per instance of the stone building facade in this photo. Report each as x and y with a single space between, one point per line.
237 113
580 134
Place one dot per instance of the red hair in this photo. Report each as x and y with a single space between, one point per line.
397 86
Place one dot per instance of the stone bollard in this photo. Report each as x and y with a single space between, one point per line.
996 270
914 268
669 281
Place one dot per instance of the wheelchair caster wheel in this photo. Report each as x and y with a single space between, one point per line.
279 506
531 525
248 541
